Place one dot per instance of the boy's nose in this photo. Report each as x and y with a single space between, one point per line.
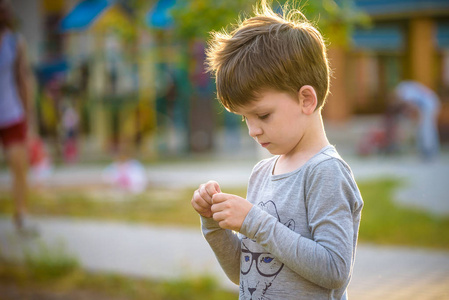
254 130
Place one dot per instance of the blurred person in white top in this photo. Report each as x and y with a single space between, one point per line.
15 109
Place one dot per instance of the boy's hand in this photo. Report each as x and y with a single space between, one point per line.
202 198
230 210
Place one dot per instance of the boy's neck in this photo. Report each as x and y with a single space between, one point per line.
313 141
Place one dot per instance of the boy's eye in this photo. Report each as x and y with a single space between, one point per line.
263 117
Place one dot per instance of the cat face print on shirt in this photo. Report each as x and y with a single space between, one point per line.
259 268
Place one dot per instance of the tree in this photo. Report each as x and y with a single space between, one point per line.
196 18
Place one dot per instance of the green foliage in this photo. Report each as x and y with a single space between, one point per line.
50 262
335 19
84 285
196 18
202 288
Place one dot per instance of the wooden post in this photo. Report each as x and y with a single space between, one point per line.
337 107
422 50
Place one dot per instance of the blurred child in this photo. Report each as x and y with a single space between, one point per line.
126 174
69 122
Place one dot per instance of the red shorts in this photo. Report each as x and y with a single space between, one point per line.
13 134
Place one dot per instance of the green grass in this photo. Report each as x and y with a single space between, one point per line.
74 281
49 271
383 221
49 263
155 206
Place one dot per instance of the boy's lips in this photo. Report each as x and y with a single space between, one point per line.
264 144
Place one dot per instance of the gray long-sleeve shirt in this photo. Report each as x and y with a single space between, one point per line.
299 239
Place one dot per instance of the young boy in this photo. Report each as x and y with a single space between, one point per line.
295 235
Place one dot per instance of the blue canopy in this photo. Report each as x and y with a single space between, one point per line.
388 7
83 14
159 16
389 38
47 71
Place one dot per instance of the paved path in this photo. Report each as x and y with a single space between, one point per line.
399 273
169 252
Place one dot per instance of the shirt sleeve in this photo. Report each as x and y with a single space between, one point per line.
326 258
226 246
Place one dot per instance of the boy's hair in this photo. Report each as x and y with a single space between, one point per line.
268 51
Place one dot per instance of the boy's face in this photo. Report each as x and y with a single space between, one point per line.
276 121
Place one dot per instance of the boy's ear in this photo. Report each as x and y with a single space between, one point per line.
308 99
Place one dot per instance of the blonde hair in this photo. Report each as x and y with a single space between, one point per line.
268 51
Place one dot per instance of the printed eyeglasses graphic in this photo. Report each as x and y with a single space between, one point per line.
266 264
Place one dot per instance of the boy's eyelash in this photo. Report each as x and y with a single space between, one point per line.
262 117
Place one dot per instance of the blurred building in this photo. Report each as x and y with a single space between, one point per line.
130 82
407 39
118 64
111 72
95 55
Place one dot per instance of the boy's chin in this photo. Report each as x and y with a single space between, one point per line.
273 152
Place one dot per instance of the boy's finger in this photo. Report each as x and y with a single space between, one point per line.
217 216
213 187
220 197
216 207
202 191
201 203
197 198
202 210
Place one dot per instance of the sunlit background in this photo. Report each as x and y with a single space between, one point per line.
127 125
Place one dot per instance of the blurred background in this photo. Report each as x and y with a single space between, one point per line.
134 70
127 125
